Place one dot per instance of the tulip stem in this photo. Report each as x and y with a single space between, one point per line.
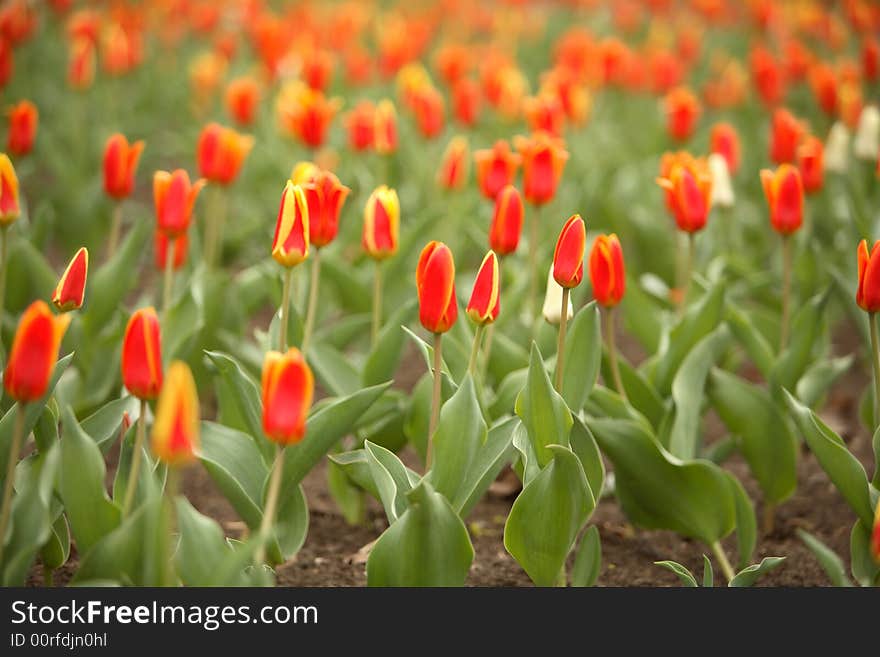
14 450
4 257
134 473
726 568
115 230
487 348
313 299
612 352
533 260
435 396
875 349
284 311
168 281
768 521
560 347
377 303
271 504
172 484
475 350
786 291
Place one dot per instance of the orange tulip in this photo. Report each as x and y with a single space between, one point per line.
823 81
689 194
545 112
485 302
568 258
607 272
287 390
81 63
290 246
325 196
768 75
725 141
868 292
429 109
785 136
174 198
71 288
543 158
23 119
9 206
34 352
810 156
317 69
359 123
160 250
496 168
221 152
175 438
142 354
242 99
381 223
454 164
785 195
307 113
120 164
121 50
435 282
385 128
466 100
871 59
682 112
507 221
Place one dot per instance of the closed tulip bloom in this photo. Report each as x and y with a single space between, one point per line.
682 112
785 136
81 63
291 243
607 272
785 197
722 189
142 355
568 258
325 196
160 250
34 352
866 143
430 111
485 302
381 223
71 289
725 141
385 128
242 100
545 112
507 221
303 172
552 309
221 152
868 293
496 168
690 188
810 164
454 164
7 62
466 101
175 438
875 536
174 197
120 164
543 160
288 387
359 123
837 148
435 282
307 113
23 119
9 207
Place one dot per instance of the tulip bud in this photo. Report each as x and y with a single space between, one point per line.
866 145
725 142
454 164
545 112
291 244
496 168
837 149
485 302
607 272
120 164
381 223
690 194
543 160
221 152
810 156
23 119
81 63
429 110
682 112
142 355
359 123
868 293
71 288
875 535
785 135
552 310
466 97
160 247
785 197
174 198
307 113
568 258
325 196
34 352
175 437
722 189
287 388
242 99
507 221
435 282
303 172
385 128
9 207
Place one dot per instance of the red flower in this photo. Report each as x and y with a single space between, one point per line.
142 355
725 141
385 128
543 158
325 196
23 119
682 112
811 164
9 206
360 125
34 352
160 248
174 198
429 110
454 164
607 272
785 196
175 438
785 136
81 63
317 69
243 99
496 168
485 302
689 194
466 100
307 113
507 221
381 223
545 112
71 287
221 152
568 258
435 282
120 163
823 80
287 390
290 246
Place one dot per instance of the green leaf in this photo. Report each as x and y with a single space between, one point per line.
583 444
831 563
640 394
844 470
491 458
507 392
347 495
383 359
427 546
748 576
751 339
333 370
683 573
391 479
543 411
588 561
56 550
748 412
746 523
708 575
583 356
547 516
103 426
819 378
805 331
91 513
291 522
181 326
865 570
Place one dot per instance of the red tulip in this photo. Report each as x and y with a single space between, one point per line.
175 439
823 80
325 196
466 100
243 99
287 390
81 63
568 258
785 196
34 352
871 59
689 189
607 272
543 158
307 113
435 282
174 198
485 302
71 288
160 249
811 164
768 75
725 141
220 153
868 292
454 164
23 119
290 246
360 125
9 206
507 221
496 168
317 69
7 62
545 112
429 110
682 112
120 164
142 355
381 223
875 536
785 136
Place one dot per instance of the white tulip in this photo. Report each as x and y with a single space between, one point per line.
722 189
553 301
866 145
837 149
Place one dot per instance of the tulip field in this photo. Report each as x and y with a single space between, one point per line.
441 293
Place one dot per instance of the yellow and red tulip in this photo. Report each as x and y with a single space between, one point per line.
381 223
34 352
385 128
682 112
220 153
325 196
287 390
242 99
71 288
810 158
174 197
23 120
543 158
607 272
568 258
496 168
175 437
160 250
9 205
306 113
290 246
784 190
507 221
868 292
435 282
725 141
689 194
81 63
485 301
142 355
120 163
545 112
454 164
